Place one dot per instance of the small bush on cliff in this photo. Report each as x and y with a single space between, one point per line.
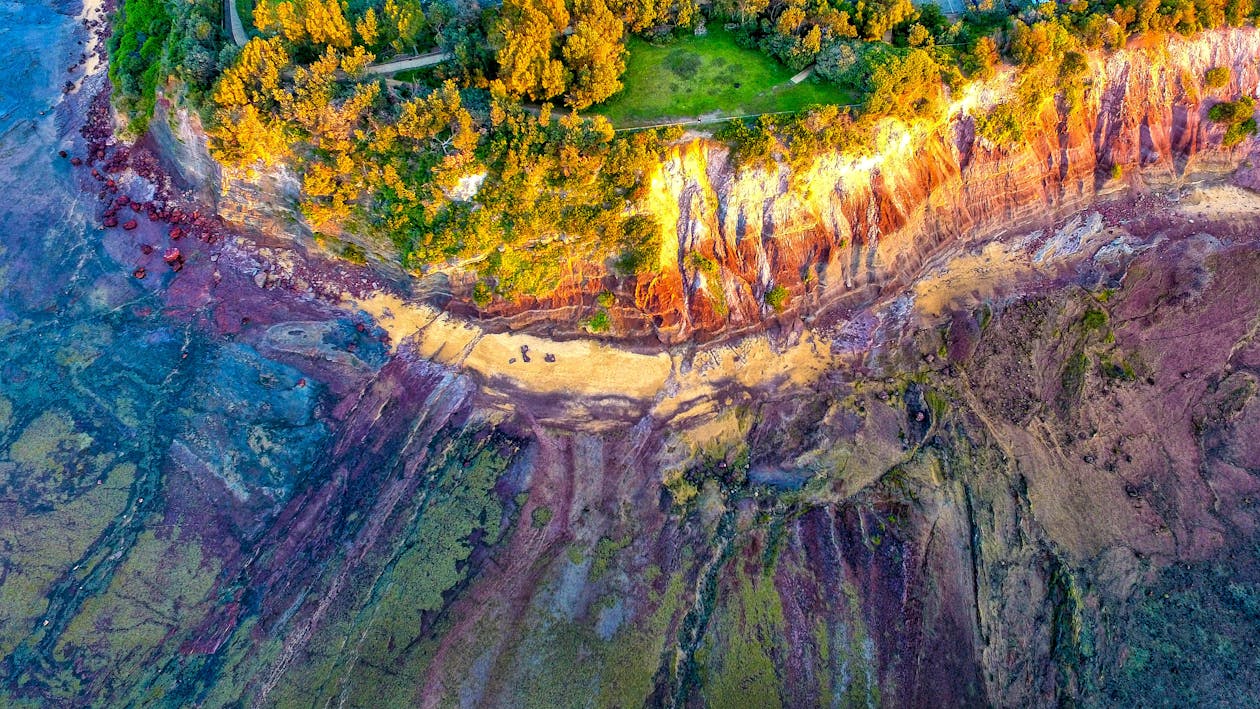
1239 132
1239 116
1001 125
1229 112
599 322
1216 77
777 298
482 294
752 144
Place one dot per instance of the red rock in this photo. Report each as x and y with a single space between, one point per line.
171 255
176 234
122 199
139 272
76 162
130 224
61 153
301 382
110 222
146 249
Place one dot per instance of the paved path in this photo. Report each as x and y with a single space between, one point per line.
234 23
803 75
413 63
712 119
240 38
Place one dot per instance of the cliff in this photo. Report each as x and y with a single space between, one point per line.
852 228
1035 485
856 228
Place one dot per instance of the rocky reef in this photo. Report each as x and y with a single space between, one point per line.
998 450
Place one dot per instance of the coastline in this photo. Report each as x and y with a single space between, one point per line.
220 263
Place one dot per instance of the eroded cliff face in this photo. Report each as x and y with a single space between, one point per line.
852 228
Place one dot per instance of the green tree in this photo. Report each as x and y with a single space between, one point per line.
906 86
595 54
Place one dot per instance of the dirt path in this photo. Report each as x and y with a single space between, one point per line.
419 62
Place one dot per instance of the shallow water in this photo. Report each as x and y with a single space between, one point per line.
104 389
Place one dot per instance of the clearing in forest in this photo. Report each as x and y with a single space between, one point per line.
700 76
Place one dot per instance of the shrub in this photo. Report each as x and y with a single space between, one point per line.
540 517
605 299
1217 77
1117 172
136 58
1232 111
599 322
777 297
752 146
1238 132
1073 65
905 86
482 294
836 61
679 487
1094 319
1001 125
1239 116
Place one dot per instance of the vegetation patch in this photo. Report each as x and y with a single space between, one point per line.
137 58
540 517
1217 77
708 76
1239 117
1191 639
777 297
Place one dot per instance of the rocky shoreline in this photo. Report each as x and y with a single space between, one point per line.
261 476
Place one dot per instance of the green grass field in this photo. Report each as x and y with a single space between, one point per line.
700 76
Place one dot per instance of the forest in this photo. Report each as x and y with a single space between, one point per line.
498 161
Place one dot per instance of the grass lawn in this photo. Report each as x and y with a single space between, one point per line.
700 76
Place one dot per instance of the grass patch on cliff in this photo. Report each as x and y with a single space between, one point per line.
697 76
